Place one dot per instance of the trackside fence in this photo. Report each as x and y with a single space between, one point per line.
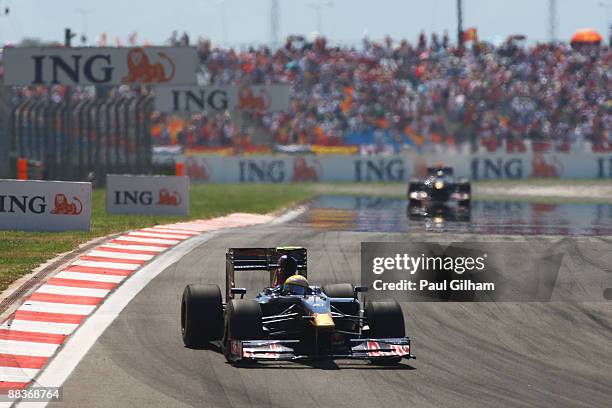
83 139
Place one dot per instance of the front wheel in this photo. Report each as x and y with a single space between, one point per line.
385 320
414 203
201 315
464 203
243 321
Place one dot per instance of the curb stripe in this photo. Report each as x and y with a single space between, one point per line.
27 348
157 235
55 311
177 228
12 385
120 255
69 299
48 317
72 291
81 283
94 270
90 277
39 327
12 360
116 260
55 307
114 265
123 249
155 250
18 373
169 231
130 239
147 244
31 336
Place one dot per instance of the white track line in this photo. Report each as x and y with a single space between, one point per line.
289 215
72 291
112 265
39 327
18 374
52 307
27 348
95 277
119 255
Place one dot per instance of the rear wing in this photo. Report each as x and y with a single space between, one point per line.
259 259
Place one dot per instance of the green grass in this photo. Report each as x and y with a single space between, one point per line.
23 251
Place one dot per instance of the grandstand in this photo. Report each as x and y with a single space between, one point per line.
383 97
391 95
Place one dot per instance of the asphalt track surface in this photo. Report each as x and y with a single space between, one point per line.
468 354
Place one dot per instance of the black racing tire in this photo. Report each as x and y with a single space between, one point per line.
465 187
339 290
243 320
201 315
414 186
464 203
385 319
414 203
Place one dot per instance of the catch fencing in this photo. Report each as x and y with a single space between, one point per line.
83 139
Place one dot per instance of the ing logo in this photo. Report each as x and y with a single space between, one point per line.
62 205
142 70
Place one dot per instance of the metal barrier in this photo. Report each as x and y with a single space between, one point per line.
84 139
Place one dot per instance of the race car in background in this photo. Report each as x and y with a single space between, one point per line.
291 321
440 193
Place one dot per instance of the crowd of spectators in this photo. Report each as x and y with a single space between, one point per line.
421 95
396 94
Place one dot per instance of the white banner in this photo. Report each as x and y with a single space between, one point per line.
261 98
100 66
158 195
44 205
284 168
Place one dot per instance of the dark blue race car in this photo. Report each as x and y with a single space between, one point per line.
440 193
293 320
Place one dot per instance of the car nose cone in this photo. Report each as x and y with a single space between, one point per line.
323 321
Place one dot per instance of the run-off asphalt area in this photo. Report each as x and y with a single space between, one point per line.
468 354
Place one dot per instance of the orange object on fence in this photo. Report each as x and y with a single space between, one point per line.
179 169
22 169
586 36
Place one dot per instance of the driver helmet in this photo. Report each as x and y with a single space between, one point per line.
296 285
287 266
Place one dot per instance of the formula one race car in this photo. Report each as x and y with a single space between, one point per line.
440 189
292 320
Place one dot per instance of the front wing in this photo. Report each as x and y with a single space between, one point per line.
284 350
